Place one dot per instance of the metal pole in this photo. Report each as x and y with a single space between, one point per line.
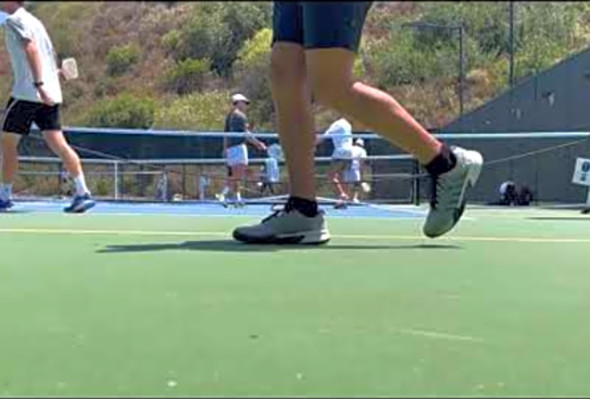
461 70
116 165
511 77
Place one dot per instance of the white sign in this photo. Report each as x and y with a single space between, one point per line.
582 172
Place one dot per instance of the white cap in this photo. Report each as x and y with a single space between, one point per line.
239 97
360 142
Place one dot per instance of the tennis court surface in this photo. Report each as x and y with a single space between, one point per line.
158 300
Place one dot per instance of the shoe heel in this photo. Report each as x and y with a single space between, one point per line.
475 169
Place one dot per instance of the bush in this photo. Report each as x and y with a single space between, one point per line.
253 73
203 111
120 59
217 32
188 76
123 111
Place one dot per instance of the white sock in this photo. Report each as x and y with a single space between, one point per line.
81 188
238 197
225 190
5 192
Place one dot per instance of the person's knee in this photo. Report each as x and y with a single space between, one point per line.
330 76
329 90
9 142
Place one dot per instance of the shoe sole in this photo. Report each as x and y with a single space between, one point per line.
84 208
305 238
472 177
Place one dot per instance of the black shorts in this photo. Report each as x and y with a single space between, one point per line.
320 24
19 116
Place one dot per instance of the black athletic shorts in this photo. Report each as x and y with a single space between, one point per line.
19 116
320 24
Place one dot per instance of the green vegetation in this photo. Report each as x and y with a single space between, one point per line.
124 111
167 51
120 59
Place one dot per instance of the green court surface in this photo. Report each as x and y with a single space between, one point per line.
123 305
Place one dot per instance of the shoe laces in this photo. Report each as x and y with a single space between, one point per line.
445 192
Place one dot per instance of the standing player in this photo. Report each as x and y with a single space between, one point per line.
235 148
314 48
36 98
341 134
271 174
355 174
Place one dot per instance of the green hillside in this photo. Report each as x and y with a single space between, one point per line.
173 64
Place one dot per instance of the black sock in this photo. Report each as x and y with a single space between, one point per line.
306 207
443 162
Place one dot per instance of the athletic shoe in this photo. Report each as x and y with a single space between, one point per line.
448 198
585 211
80 204
5 205
284 227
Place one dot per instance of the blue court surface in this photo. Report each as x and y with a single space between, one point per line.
214 209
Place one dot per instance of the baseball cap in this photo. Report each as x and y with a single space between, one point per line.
239 97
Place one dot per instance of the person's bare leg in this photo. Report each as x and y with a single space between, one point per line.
58 144
292 98
9 143
330 73
238 175
333 175
60 147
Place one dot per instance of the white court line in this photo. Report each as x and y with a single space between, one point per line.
367 237
439 335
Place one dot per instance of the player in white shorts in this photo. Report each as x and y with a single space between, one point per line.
271 174
236 150
341 134
354 175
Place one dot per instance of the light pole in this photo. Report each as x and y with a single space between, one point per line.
461 31
511 77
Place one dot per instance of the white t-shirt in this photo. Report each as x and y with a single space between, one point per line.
358 154
271 169
21 26
340 127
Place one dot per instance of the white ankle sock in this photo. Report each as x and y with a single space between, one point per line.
81 188
5 192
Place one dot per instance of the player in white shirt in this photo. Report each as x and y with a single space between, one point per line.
271 174
340 132
36 98
355 174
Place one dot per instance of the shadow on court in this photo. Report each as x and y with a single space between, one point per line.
233 246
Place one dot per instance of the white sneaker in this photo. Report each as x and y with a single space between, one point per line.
284 227
448 199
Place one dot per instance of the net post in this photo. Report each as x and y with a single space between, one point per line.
416 182
184 181
116 179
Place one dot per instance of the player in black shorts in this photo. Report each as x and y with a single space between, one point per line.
36 98
313 52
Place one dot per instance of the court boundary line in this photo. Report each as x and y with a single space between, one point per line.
367 237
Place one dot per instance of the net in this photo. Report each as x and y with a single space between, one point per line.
140 165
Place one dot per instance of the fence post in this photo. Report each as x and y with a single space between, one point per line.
416 182
116 165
